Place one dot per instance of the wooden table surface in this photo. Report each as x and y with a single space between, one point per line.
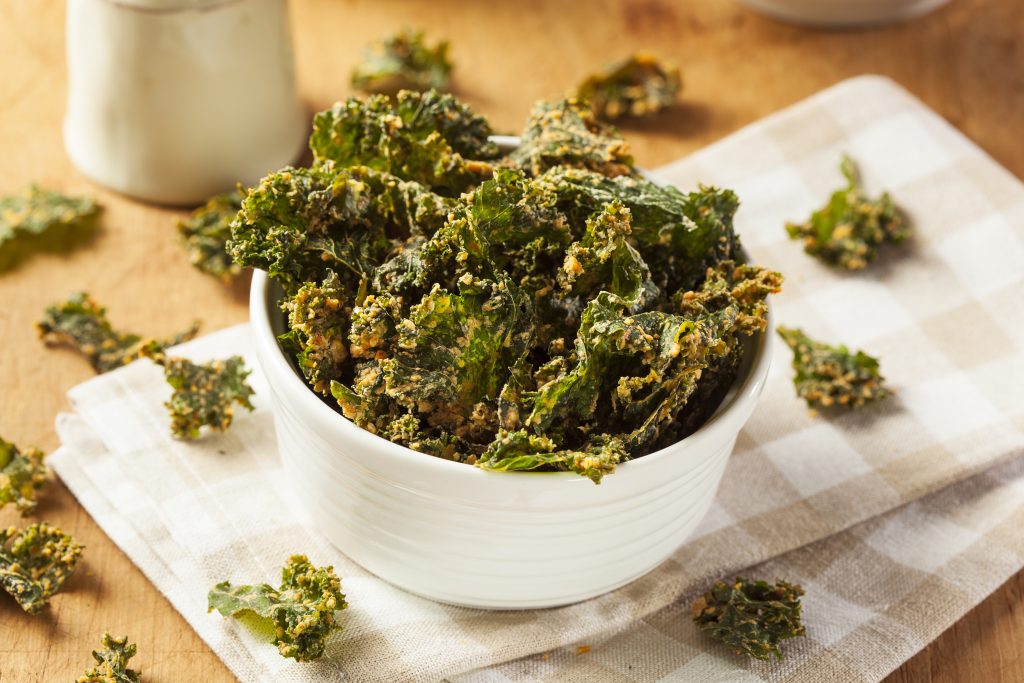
966 61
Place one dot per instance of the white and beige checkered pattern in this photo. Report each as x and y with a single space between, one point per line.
896 520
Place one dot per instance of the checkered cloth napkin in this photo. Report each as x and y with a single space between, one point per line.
896 520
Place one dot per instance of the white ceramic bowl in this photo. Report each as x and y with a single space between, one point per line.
843 12
498 540
495 540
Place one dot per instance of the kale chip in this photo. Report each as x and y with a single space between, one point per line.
299 223
678 234
112 663
832 376
318 321
403 60
429 138
301 609
566 133
82 323
35 562
204 393
848 231
42 220
750 617
205 234
636 86
21 475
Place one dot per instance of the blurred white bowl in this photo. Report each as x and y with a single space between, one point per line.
843 12
495 540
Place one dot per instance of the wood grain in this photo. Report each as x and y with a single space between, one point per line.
964 61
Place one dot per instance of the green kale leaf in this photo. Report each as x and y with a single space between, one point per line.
112 663
204 393
299 223
750 617
82 323
454 250
510 210
35 562
21 475
832 376
402 61
679 235
450 356
848 231
636 86
603 260
41 220
429 138
318 320
521 451
301 609
566 133
522 216
634 374
205 234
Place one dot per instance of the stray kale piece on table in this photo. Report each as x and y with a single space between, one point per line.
545 309
81 323
205 234
301 609
35 562
42 220
112 663
848 231
22 473
832 376
750 617
636 86
403 60
204 393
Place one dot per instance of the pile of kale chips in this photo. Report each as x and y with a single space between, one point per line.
544 309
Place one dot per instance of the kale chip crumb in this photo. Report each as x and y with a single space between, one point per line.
302 609
832 376
848 231
402 61
112 663
205 234
636 86
750 617
22 473
35 562
42 220
82 324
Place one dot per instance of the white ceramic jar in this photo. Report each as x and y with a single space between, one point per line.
843 12
496 540
173 101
